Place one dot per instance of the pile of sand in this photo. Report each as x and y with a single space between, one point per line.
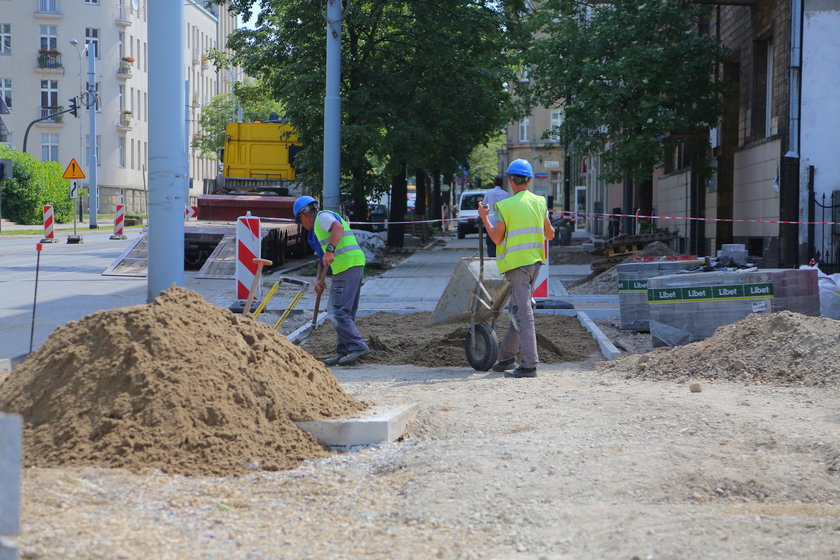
408 339
607 281
177 385
782 348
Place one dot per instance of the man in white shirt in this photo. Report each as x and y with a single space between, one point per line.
491 197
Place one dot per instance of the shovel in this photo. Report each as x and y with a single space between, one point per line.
307 332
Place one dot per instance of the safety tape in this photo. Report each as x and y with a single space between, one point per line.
602 216
595 216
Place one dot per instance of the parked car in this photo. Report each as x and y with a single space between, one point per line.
468 212
378 215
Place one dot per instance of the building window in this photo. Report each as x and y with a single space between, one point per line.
5 38
132 153
98 151
92 38
556 121
762 113
122 150
523 130
48 6
49 147
91 1
122 44
49 95
122 98
49 38
6 91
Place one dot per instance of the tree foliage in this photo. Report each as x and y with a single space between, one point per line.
421 85
634 77
221 110
34 184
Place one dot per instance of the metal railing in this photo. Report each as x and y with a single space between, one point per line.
49 110
49 59
125 67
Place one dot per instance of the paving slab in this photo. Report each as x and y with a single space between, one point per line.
378 424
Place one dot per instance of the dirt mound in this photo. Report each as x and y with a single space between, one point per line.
408 339
607 281
782 348
177 385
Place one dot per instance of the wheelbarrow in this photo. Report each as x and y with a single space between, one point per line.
476 294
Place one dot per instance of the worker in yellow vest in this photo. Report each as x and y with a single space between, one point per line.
520 231
338 250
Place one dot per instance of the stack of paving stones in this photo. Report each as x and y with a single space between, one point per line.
634 311
689 307
11 460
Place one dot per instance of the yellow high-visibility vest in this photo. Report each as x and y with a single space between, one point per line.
347 252
524 243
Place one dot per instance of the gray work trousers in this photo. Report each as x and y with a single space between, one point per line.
344 302
521 334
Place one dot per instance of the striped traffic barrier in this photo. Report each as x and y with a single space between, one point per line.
119 223
248 248
49 225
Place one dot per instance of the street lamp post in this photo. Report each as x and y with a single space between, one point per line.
79 51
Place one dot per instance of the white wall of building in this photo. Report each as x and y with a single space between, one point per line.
122 121
820 137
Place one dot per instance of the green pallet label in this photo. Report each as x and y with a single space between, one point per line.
760 290
633 285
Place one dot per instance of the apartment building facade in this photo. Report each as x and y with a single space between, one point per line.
43 64
775 148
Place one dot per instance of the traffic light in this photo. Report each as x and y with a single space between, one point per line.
74 108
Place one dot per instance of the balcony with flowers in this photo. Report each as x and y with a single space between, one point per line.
56 119
126 65
49 61
125 120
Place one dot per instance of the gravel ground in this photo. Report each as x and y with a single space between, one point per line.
573 464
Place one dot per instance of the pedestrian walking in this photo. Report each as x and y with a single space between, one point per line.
491 197
520 231
338 250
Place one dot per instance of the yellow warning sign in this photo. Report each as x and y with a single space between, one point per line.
73 171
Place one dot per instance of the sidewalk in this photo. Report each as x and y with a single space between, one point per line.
419 281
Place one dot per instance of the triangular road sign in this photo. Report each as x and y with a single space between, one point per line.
73 171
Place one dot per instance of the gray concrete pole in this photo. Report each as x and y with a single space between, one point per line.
332 108
166 147
93 194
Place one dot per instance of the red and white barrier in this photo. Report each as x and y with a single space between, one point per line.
541 285
190 213
49 225
248 248
119 222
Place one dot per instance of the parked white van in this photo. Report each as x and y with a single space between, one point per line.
468 212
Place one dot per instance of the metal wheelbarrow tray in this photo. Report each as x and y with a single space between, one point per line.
476 294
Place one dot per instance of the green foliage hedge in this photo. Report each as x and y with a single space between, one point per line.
34 184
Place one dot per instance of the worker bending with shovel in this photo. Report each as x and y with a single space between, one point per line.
338 250
520 231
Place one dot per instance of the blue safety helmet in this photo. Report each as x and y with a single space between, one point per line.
300 205
520 167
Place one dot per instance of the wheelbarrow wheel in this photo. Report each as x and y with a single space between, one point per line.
482 348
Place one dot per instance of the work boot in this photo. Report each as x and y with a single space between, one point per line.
352 357
504 365
522 372
332 361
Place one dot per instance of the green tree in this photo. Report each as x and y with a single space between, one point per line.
221 110
484 159
422 80
635 78
34 184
